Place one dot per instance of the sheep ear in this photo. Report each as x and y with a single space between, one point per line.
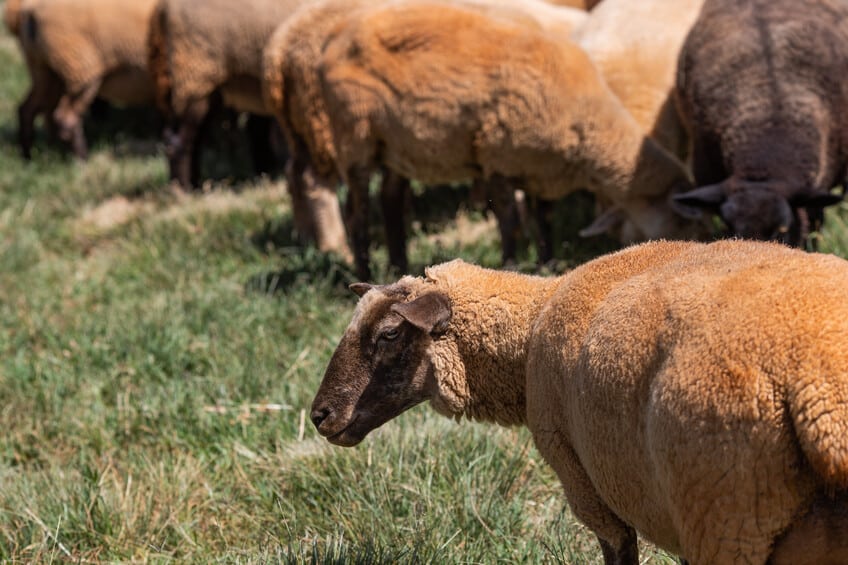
429 312
604 223
360 288
822 200
689 204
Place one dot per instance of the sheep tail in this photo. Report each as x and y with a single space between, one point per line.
157 59
12 16
819 412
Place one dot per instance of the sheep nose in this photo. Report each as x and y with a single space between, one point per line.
319 415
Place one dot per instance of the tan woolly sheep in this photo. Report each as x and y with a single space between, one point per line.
440 94
198 50
694 393
291 82
76 50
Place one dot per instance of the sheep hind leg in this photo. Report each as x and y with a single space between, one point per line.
69 115
357 209
42 98
393 194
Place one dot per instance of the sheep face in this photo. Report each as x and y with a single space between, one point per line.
381 367
760 210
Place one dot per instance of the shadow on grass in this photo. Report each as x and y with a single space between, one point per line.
304 266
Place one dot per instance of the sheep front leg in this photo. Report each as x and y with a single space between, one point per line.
393 194
69 114
616 538
357 180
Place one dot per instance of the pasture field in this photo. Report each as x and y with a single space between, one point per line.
158 355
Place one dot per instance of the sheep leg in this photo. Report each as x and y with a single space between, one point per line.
393 194
42 98
69 113
183 150
357 180
503 204
544 229
296 171
259 138
616 538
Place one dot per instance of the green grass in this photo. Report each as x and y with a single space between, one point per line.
158 355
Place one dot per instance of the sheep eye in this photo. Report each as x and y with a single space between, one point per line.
390 335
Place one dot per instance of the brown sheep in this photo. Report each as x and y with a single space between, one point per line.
440 94
77 50
292 89
199 50
760 88
673 387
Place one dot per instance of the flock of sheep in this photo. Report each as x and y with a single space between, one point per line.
508 94
694 393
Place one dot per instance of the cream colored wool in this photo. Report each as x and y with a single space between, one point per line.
697 393
635 45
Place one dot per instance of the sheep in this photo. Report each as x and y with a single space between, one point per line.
759 86
291 87
672 386
440 93
197 51
635 46
77 50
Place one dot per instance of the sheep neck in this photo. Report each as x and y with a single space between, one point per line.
480 364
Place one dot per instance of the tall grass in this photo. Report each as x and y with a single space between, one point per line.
158 354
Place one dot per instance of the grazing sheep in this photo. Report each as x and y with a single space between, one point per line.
292 89
635 46
77 50
760 88
198 50
440 94
673 387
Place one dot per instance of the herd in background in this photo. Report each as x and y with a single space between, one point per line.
668 112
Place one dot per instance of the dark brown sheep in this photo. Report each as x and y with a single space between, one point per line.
761 87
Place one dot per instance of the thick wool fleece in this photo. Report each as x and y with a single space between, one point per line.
441 94
697 393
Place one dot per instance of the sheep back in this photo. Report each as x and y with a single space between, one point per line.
461 95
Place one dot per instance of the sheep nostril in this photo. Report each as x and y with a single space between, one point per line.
319 415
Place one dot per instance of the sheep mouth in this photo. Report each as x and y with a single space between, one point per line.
347 436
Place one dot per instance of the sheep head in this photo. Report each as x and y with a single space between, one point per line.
760 210
381 367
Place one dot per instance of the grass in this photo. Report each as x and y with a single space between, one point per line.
158 354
